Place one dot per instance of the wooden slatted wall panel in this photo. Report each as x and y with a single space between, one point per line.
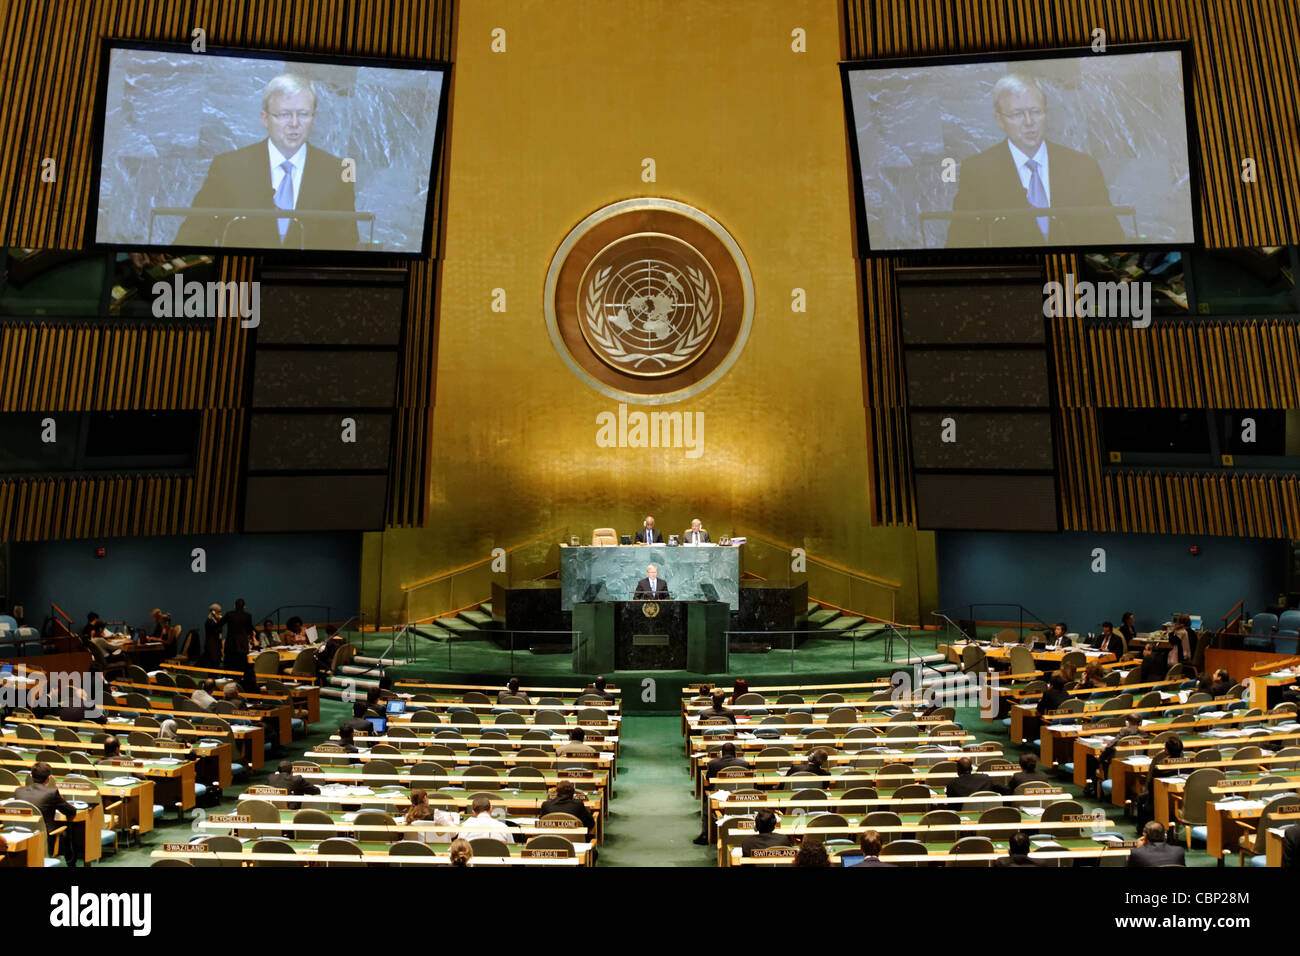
49 66
1246 97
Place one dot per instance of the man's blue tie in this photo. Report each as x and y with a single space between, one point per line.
1037 194
284 196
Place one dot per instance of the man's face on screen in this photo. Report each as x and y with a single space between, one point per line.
1023 117
288 121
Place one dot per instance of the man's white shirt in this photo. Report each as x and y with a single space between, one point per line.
299 160
483 826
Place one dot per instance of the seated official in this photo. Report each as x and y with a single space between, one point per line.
871 843
651 587
1109 642
577 745
45 796
1291 847
1154 850
1054 696
347 738
295 632
565 801
266 637
285 779
1094 676
204 696
764 836
75 709
597 689
812 852
968 782
1155 663
424 818
695 534
231 695
815 764
648 534
482 825
727 759
512 690
112 749
1057 638
1028 771
1018 847
358 724
718 708
1221 684
460 853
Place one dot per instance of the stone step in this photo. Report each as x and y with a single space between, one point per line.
456 625
823 617
432 632
813 606
477 618
486 607
843 623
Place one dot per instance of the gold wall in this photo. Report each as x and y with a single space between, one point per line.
556 127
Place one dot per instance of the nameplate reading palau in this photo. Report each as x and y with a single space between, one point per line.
574 773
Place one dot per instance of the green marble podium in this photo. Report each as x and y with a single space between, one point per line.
594 574
676 635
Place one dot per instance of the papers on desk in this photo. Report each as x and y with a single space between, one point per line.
1040 840
606 755
1182 696
1137 760
1287 725
311 634
1032 811
1095 741
1239 805
170 761
1212 715
1067 728
1222 732
1180 777
949 748
79 804
349 817
122 781
343 790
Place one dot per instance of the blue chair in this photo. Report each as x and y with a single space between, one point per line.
1288 625
1262 628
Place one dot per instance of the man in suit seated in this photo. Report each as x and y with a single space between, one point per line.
1018 852
1054 696
1154 850
45 797
358 724
577 746
512 690
1109 642
597 689
1291 847
566 801
1155 663
870 843
764 836
285 779
968 782
648 534
651 587
1028 771
726 759
814 764
1026 171
283 171
695 534
718 707
203 697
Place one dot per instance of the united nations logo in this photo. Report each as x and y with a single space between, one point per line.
649 300
650 608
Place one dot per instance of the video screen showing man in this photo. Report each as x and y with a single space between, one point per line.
283 171
651 587
648 534
998 187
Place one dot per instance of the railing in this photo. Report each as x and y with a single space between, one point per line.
1024 616
465 587
874 598
1229 621
494 651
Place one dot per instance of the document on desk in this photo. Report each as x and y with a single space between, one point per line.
1138 760
1239 805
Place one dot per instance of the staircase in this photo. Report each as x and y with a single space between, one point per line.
832 622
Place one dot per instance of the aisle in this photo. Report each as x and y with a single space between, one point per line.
654 816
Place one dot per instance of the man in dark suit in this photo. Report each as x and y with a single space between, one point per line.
695 534
1154 850
1018 852
1028 771
1155 663
565 801
764 836
285 779
870 843
358 723
814 764
1110 642
597 689
1026 171
1054 696
651 587
718 707
46 798
283 171
648 534
968 782
1291 847
727 759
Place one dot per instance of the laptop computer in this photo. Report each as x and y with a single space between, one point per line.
397 706
6 669
850 859
380 724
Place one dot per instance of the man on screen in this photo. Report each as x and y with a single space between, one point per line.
283 171
651 587
998 187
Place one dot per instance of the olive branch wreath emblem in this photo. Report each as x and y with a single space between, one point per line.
686 345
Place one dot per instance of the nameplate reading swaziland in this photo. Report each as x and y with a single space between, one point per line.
186 848
267 791
229 818
545 854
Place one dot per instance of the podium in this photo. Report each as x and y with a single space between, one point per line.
650 635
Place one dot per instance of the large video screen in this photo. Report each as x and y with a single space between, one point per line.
1060 149
257 151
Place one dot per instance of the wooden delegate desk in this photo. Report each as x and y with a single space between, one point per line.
245 726
1168 791
416 686
214 757
1223 818
396 800
371 853
89 815
308 695
174 781
1074 850
1273 843
1046 659
26 847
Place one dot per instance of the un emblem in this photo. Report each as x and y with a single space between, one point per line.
650 608
649 301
